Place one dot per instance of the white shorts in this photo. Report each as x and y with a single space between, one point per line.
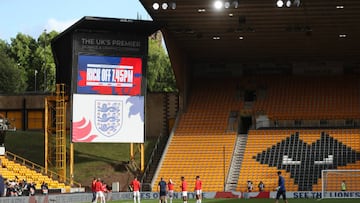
184 193
136 193
198 192
171 193
100 194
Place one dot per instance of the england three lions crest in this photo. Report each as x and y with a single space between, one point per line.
108 117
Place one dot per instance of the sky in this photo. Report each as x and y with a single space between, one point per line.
32 17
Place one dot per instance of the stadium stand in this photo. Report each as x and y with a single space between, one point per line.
310 98
201 144
300 153
12 170
312 126
208 156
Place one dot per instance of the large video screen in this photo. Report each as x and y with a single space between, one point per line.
108 118
109 75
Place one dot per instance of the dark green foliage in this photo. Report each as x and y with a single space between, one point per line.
12 77
160 76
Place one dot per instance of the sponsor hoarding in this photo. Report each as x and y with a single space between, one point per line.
108 118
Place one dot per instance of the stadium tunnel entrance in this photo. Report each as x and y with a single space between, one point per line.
245 124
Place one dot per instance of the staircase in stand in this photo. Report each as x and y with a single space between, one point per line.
153 163
160 145
234 171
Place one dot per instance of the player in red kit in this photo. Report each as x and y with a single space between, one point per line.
183 187
198 189
99 192
135 184
104 191
171 190
93 190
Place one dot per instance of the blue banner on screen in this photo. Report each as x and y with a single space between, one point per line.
109 75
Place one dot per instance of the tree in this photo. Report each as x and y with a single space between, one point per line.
44 60
36 58
22 49
4 47
160 76
12 78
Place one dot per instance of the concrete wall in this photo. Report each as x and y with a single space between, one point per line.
155 112
16 102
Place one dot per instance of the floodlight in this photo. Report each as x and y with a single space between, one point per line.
155 6
172 5
218 4
279 3
164 6
236 4
227 4
288 3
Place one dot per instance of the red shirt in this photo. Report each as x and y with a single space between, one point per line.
198 185
98 186
93 186
103 187
170 186
136 185
183 186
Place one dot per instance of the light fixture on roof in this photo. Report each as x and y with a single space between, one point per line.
156 6
297 3
235 4
342 35
201 10
216 37
279 3
340 7
164 6
227 4
172 5
218 4
231 4
288 3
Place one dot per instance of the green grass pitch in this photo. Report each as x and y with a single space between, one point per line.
251 201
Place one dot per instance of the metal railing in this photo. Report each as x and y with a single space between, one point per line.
154 151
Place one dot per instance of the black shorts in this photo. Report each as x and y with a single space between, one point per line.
162 193
281 193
